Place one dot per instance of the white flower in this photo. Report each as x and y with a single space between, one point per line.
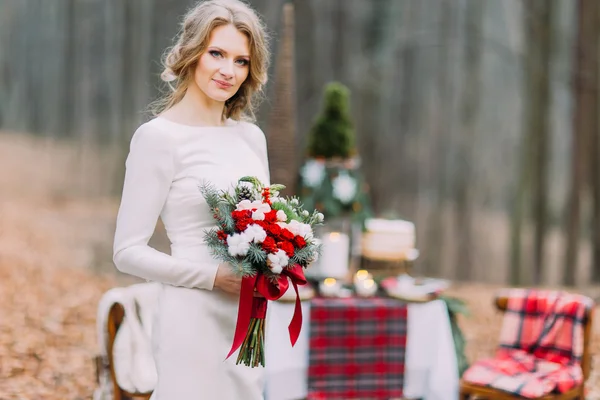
256 233
282 225
306 231
294 227
281 216
276 269
238 244
344 187
260 206
294 202
258 215
320 217
298 228
313 173
244 205
305 213
277 261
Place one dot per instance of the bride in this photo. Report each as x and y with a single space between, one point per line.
201 133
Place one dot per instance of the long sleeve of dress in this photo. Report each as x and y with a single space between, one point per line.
260 141
149 173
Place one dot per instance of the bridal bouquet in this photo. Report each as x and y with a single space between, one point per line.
268 240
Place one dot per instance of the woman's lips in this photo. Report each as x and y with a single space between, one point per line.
222 84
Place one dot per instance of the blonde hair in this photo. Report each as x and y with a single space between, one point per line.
180 61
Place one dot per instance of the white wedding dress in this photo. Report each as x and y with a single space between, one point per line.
194 324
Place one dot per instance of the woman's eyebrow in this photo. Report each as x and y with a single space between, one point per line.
224 51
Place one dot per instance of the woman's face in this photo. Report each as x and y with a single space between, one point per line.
225 64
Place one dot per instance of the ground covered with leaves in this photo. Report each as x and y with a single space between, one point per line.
54 267
49 299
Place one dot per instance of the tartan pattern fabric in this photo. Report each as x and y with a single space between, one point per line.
357 348
541 344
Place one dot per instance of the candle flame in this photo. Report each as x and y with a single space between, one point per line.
329 281
362 274
334 236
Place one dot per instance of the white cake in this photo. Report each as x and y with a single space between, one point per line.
389 240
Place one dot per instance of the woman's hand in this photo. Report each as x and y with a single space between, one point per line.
229 282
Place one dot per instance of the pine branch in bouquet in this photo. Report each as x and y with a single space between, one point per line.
211 195
230 200
257 255
224 217
218 251
303 256
245 268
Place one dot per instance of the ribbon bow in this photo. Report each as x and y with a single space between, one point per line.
256 307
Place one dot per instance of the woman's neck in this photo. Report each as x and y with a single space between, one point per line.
196 108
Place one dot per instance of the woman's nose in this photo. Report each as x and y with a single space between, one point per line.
227 69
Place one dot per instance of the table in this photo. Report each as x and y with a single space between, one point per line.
430 364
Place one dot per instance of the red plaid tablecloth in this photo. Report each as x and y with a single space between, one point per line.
357 348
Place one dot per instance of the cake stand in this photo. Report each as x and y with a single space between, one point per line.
385 264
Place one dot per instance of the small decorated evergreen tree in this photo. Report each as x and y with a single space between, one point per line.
330 178
332 135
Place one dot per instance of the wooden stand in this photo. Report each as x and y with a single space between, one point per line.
383 266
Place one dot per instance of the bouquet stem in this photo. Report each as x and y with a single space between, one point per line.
252 351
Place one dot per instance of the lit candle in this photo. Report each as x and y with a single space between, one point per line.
334 255
366 287
329 287
360 276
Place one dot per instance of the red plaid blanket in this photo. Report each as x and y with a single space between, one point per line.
356 348
541 344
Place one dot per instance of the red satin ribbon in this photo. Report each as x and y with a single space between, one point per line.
255 307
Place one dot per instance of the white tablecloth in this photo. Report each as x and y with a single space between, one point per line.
430 364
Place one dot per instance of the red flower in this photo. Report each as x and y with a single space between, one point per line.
269 245
271 216
286 234
242 224
222 235
262 224
273 229
288 247
241 214
299 241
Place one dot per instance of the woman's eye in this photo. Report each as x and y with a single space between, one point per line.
215 53
242 62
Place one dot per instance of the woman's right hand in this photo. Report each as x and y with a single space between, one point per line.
227 281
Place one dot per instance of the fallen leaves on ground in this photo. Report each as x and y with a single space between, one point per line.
49 296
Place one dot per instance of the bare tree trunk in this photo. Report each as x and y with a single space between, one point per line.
584 124
592 85
282 136
541 32
534 148
435 237
470 107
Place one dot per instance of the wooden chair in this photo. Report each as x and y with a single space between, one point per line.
467 390
115 318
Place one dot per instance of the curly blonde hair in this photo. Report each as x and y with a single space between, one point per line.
180 61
